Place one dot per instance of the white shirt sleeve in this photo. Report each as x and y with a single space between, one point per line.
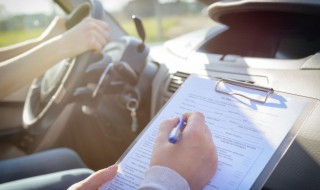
163 178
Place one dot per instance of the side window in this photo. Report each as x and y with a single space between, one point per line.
21 20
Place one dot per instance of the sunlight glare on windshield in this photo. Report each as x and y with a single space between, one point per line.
32 7
112 5
163 19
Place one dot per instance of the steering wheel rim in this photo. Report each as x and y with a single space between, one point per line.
37 120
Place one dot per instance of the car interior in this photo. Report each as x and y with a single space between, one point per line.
98 104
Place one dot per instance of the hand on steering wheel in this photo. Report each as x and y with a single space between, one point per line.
50 93
89 34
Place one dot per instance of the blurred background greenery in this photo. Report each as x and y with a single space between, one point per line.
12 37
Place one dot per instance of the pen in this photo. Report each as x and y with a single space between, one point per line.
175 134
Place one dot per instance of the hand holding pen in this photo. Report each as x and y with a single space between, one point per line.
194 156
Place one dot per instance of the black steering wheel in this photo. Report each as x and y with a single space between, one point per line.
51 92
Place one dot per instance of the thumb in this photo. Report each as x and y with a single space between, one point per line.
102 176
98 178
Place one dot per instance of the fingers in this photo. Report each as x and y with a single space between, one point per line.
103 24
104 175
97 43
98 33
100 177
166 127
193 120
89 34
196 125
195 128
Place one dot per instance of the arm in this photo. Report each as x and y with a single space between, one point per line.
189 164
56 27
90 34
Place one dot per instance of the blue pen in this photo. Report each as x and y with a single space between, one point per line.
175 134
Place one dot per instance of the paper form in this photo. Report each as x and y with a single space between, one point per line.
246 134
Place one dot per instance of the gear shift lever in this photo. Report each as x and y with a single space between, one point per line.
141 32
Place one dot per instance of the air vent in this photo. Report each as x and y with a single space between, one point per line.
176 81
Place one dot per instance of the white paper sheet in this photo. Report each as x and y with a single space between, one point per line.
246 134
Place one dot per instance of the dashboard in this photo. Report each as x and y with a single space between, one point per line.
276 48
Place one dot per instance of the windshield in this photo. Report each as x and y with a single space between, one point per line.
19 23
162 19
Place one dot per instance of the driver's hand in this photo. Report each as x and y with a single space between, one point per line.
89 34
194 157
96 180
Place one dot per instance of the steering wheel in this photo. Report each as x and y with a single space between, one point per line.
51 92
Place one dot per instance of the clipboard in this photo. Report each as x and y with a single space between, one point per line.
266 93
284 146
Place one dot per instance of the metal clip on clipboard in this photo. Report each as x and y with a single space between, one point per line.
268 91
